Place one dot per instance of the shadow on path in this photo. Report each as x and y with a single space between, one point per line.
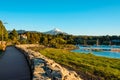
13 65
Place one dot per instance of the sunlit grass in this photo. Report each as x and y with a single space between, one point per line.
87 65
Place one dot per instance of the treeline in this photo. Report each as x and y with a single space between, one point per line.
55 40
97 40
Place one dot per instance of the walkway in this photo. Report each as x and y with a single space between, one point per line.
13 65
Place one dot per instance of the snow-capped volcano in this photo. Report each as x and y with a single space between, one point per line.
55 31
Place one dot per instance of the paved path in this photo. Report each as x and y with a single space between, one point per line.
13 65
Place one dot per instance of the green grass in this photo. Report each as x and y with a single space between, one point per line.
90 67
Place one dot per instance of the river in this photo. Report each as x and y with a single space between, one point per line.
110 54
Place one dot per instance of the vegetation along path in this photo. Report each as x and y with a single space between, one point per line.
13 65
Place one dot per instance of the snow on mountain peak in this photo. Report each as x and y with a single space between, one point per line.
56 29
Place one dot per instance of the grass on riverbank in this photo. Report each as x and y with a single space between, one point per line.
90 67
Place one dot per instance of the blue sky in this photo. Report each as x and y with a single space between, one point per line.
78 17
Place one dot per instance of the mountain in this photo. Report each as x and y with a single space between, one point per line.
18 31
55 31
23 31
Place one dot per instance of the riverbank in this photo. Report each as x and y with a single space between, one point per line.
100 48
104 51
88 66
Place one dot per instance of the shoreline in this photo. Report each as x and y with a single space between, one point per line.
101 54
100 48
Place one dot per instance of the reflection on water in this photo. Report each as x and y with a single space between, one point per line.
105 50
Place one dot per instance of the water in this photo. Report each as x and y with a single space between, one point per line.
106 53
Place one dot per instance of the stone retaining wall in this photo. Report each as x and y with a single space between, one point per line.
45 68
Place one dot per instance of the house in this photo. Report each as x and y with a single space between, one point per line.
23 37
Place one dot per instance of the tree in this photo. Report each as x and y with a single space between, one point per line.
56 42
3 32
44 40
13 35
28 36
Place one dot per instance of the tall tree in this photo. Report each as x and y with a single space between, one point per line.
3 32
